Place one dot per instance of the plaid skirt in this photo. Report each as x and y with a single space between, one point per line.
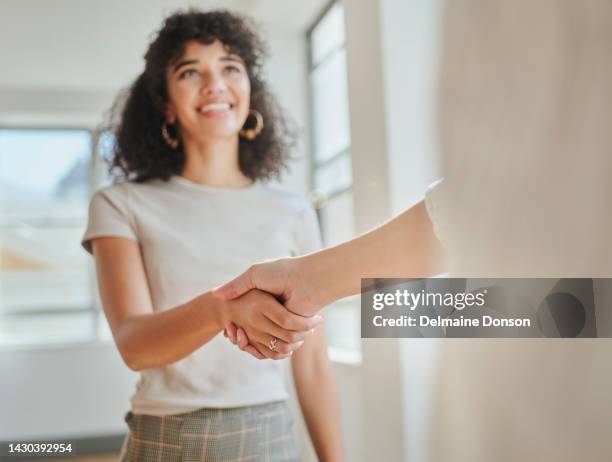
262 433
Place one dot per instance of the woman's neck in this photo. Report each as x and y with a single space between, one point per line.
214 163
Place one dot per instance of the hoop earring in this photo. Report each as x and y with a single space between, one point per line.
251 133
172 142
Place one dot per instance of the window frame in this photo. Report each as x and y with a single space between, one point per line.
348 355
320 199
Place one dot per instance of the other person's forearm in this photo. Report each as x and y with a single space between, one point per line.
406 246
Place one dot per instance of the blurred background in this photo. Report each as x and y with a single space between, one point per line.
358 78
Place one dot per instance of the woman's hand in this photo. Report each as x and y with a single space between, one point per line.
273 332
284 278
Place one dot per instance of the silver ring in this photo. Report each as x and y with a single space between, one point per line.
273 343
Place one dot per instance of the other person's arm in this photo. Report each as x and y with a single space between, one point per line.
405 246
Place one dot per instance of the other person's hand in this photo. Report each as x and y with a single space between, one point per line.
284 278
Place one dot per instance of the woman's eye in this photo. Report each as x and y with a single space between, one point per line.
188 73
231 69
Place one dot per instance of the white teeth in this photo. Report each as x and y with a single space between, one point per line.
215 107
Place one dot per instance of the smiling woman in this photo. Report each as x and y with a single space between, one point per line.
214 113
191 215
177 63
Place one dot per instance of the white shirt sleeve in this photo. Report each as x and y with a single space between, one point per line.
109 215
308 233
436 209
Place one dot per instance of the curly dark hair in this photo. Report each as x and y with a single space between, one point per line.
140 152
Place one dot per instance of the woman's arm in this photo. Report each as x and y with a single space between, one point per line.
318 396
148 339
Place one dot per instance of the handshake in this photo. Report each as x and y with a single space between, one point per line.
271 308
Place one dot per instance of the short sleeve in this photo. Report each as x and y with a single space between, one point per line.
308 235
109 216
435 204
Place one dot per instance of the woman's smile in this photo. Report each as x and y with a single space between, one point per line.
215 109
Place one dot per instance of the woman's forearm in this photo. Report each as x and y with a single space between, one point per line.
406 246
320 406
319 401
157 339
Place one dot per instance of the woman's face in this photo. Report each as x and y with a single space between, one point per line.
208 92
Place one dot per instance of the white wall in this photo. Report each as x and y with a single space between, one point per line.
71 390
392 50
410 55
378 377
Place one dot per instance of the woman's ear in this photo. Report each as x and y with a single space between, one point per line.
170 114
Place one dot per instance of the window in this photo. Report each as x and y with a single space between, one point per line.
47 285
331 161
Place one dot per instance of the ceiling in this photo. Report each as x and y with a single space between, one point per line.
291 14
98 44
285 14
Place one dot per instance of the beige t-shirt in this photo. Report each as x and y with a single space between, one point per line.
193 238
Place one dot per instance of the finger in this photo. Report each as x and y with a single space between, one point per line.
231 332
279 315
287 336
236 287
253 351
268 353
284 348
294 346
242 338
262 338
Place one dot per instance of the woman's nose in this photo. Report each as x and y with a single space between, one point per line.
213 84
